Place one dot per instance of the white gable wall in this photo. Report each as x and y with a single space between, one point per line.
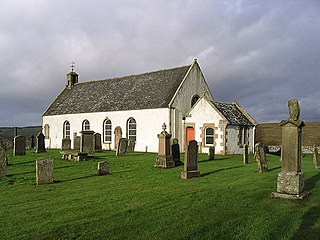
149 124
202 115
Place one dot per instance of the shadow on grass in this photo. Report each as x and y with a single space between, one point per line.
272 169
20 163
311 182
218 170
78 178
308 228
17 174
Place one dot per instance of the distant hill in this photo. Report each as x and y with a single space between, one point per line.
6 133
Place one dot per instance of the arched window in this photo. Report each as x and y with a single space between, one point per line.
209 136
47 131
66 130
107 126
85 125
194 99
132 129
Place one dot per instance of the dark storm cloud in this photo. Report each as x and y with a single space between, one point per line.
259 53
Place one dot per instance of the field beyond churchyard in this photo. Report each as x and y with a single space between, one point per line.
137 201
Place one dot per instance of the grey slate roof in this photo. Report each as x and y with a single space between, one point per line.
144 91
232 113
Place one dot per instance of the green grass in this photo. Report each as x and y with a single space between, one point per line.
137 201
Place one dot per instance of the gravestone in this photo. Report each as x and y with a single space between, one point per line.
175 151
19 146
122 147
211 153
131 145
33 142
164 158
191 161
3 162
66 144
117 136
97 142
260 156
15 132
87 142
245 154
44 171
103 168
76 142
290 182
40 145
316 159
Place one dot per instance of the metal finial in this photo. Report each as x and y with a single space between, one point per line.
72 66
164 126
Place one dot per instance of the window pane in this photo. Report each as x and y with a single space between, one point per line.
209 140
209 131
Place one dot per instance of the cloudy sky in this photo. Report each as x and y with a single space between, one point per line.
259 53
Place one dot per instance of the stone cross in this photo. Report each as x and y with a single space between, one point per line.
103 168
44 171
290 182
19 145
40 145
245 154
164 158
260 156
191 161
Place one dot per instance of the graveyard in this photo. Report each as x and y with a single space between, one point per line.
228 200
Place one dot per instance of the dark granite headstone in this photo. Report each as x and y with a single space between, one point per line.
19 146
122 147
103 168
175 150
97 142
40 145
32 141
191 161
76 142
131 145
211 153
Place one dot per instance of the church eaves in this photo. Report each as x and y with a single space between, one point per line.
143 91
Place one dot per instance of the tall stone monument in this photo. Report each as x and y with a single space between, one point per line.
117 136
164 158
191 161
290 183
40 145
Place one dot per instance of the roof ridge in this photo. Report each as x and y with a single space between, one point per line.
132 75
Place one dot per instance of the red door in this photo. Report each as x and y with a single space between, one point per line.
189 134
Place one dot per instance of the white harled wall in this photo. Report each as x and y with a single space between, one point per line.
149 124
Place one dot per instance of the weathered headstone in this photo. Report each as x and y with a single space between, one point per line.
44 171
40 145
260 156
19 146
245 154
131 145
87 142
76 142
3 162
122 147
117 136
175 151
66 144
32 142
316 158
191 161
164 158
211 153
97 142
103 168
290 182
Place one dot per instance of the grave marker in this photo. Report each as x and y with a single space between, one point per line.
211 153
33 141
122 147
76 142
3 162
164 158
103 168
260 156
175 151
40 145
131 145
66 144
316 159
44 171
19 146
191 161
87 142
245 154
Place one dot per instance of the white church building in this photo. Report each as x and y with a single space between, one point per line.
138 105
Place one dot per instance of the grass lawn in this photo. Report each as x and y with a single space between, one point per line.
137 201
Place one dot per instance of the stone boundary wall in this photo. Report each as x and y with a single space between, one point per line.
270 134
